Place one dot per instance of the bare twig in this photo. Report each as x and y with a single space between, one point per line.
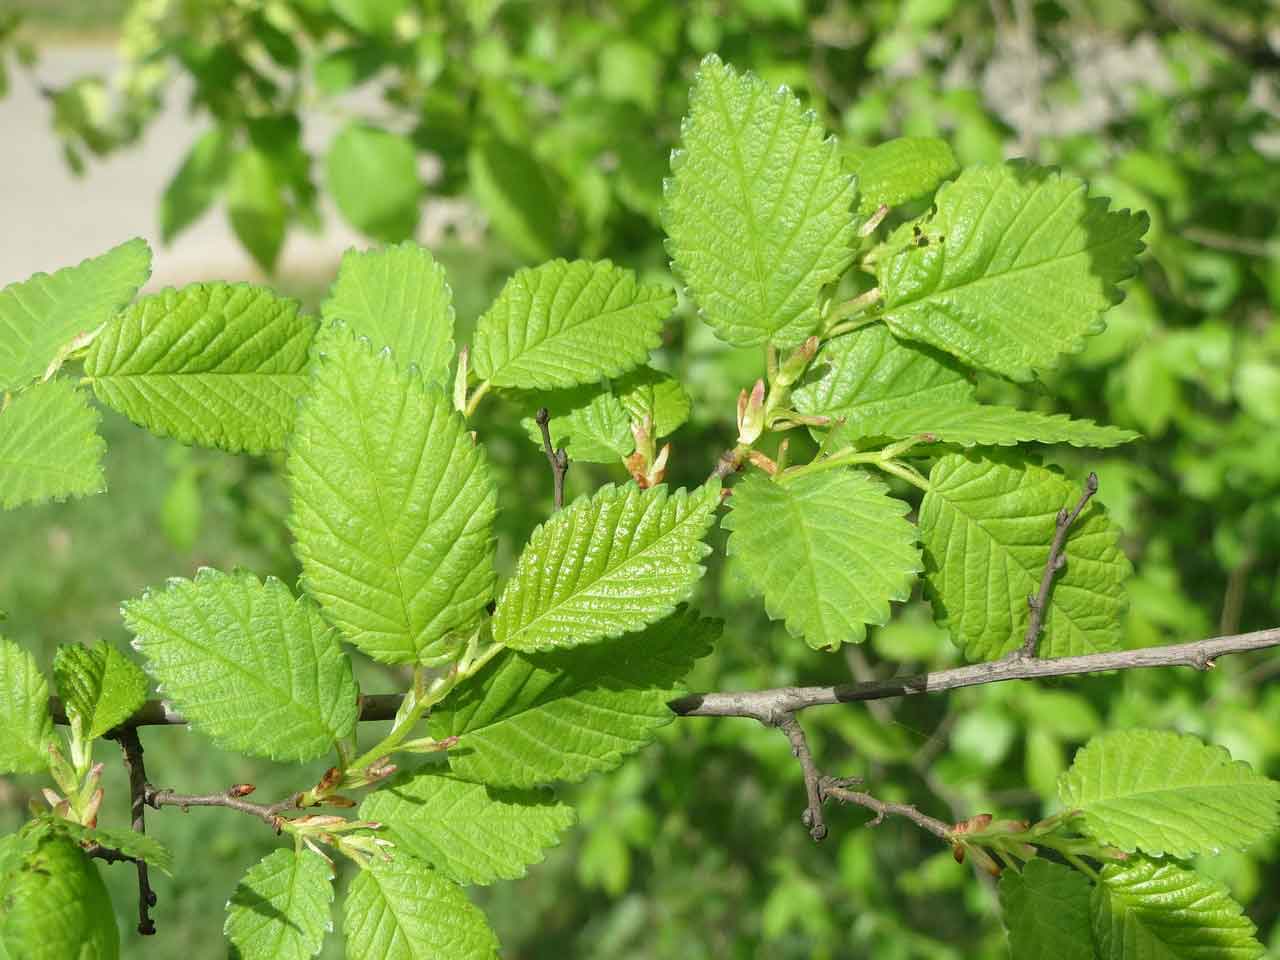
812 817
97 851
840 790
131 748
270 814
1057 560
556 456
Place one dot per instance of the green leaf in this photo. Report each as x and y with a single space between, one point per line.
42 315
215 364
1015 266
605 565
375 17
49 446
511 187
403 910
971 424
901 170
373 176
255 206
1159 911
870 376
398 297
1168 793
280 908
469 832
757 208
56 905
530 719
99 685
589 422
563 324
828 551
393 507
24 712
252 668
128 842
194 187
986 525
1046 911
646 392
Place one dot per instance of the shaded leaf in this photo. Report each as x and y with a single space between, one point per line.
49 446
280 907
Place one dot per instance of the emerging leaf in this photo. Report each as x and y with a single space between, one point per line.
1015 266
563 324
530 719
249 666
646 392
975 424
42 315
469 832
1169 794
1145 910
1046 911
393 507
398 297
49 446
55 903
214 364
403 910
986 526
280 908
99 685
900 170
615 562
24 712
757 208
828 551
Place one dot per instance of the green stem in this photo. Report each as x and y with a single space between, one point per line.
476 397
851 308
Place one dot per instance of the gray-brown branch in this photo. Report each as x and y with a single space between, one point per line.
131 748
270 814
556 456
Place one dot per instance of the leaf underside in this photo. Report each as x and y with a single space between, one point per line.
50 448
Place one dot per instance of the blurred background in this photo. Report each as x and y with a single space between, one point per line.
240 138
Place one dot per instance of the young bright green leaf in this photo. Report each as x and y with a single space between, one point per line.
398 297
393 507
589 422
986 526
971 424
99 685
1169 794
828 551
403 910
194 187
280 908
469 832
617 561
255 206
375 17
56 905
129 842
900 170
252 668
757 208
1015 266
646 392
1046 911
42 315
214 364
870 375
1145 910
513 190
563 324
49 446
24 712
530 719
373 176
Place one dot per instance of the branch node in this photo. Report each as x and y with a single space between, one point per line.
556 456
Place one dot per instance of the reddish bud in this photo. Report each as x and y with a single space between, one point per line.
241 790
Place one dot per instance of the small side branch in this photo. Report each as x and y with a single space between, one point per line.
839 789
131 748
556 456
270 814
1057 560
812 816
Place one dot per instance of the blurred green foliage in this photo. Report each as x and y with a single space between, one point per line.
555 120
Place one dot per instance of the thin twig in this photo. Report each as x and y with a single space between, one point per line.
96 851
556 456
812 817
839 789
1056 561
131 748
270 814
